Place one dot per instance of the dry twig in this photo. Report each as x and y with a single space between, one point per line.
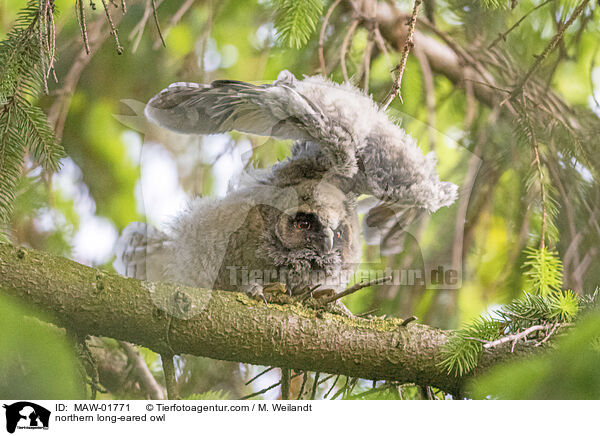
322 35
113 30
357 287
82 24
396 89
267 389
259 375
514 338
162 40
57 114
346 44
177 16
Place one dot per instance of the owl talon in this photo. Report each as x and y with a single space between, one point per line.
255 291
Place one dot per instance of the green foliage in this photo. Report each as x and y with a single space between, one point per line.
462 351
295 20
542 303
41 142
36 362
564 306
496 4
20 56
105 166
574 362
544 275
11 157
23 127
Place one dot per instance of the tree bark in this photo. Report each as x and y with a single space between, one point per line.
174 319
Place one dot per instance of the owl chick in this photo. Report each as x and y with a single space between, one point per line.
295 222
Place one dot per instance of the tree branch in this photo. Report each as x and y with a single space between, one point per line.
228 325
142 373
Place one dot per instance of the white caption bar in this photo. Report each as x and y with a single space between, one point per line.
162 418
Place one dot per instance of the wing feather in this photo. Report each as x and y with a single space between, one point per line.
275 109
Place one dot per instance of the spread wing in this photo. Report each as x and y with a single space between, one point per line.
406 183
278 110
275 109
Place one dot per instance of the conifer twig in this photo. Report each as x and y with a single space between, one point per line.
550 333
396 89
42 36
337 377
502 36
82 24
286 378
538 163
113 29
342 389
304 380
551 45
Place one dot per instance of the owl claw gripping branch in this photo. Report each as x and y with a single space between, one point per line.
295 222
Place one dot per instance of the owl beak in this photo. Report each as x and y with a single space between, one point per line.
327 240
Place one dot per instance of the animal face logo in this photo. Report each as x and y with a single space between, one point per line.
26 415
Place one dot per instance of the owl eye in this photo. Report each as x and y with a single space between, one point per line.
303 225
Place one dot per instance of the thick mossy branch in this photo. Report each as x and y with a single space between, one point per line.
229 326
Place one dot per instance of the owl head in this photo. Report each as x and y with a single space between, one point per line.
318 234
320 220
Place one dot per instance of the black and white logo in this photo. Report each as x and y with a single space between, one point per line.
26 415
